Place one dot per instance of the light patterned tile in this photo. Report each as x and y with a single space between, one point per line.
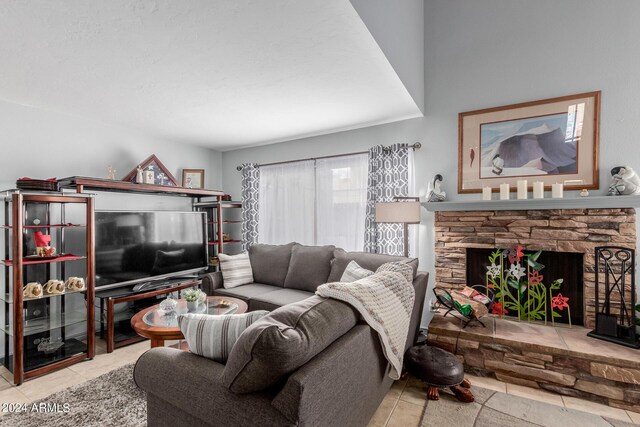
396 389
4 384
487 382
384 411
635 416
535 394
406 414
100 364
595 408
12 395
415 393
45 385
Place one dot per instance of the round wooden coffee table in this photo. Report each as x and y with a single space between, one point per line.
159 326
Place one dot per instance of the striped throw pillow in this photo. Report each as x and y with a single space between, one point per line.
236 270
213 336
354 272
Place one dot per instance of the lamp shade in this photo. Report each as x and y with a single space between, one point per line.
398 212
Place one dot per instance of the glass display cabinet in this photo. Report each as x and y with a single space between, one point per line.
46 289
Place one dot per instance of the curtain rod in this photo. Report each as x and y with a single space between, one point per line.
415 146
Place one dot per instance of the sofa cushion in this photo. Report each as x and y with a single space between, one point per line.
213 337
354 272
270 263
309 267
284 340
236 270
365 260
276 299
246 292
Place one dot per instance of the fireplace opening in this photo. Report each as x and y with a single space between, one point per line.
560 280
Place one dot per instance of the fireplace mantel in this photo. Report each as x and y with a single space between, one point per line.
591 202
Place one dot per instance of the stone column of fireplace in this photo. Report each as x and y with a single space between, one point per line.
562 230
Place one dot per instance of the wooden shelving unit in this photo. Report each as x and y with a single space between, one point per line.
81 184
40 335
219 223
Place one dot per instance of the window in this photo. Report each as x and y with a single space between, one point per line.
314 202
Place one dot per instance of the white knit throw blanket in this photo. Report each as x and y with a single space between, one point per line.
385 301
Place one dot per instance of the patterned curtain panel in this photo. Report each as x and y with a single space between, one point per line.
388 178
250 190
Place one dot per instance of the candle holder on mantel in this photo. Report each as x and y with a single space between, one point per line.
615 298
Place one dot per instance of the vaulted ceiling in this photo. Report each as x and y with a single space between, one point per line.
216 73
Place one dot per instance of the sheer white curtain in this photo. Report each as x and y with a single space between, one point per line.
320 202
341 196
287 203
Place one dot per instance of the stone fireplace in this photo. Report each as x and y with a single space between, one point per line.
577 231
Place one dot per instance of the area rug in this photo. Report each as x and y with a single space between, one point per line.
495 409
111 399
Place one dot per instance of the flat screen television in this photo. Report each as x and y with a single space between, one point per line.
138 247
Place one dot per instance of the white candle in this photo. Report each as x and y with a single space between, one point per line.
522 189
486 193
538 190
556 191
504 191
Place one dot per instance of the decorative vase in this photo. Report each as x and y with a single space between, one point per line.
192 306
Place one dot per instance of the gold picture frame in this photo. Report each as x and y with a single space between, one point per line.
553 140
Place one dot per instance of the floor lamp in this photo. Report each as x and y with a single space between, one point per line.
403 210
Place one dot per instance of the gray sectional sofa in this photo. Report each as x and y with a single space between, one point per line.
343 384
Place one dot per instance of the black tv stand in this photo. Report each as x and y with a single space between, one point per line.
125 335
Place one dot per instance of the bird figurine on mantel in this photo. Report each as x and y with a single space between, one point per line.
624 181
434 192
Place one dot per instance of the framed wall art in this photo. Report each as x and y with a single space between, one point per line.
553 140
154 172
193 178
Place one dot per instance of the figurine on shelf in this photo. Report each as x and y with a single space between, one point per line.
226 237
42 244
54 287
49 345
139 175
32 290
624 181
111 172
75 284
434 192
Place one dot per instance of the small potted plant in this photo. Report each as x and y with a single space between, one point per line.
193 297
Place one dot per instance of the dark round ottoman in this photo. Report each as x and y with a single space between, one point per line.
438 368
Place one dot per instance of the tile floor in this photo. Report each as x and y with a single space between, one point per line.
405 402
403 405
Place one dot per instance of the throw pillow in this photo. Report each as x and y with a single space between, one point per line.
212 336
354 272
270 263
309 267
365 260
284 340
236 270
398 267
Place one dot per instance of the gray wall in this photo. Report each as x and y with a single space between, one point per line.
43 144
486 53
393 24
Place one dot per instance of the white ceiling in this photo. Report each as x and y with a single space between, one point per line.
216 73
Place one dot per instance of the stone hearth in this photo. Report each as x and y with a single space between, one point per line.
561 360
561 230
